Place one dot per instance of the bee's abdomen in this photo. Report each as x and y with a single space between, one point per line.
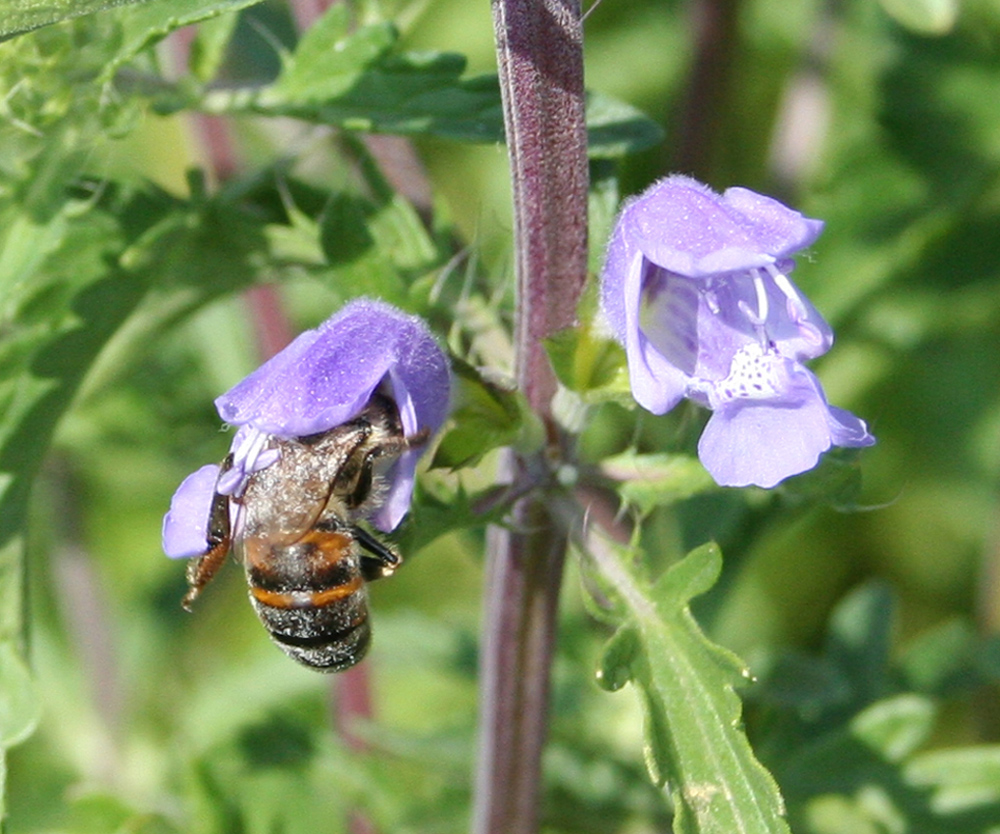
312 599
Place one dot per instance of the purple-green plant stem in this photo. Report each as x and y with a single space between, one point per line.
540 57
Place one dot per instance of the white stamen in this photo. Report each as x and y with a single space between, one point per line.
762 308
796 307
756 317
249 456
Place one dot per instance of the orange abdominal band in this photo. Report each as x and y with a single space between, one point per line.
306 599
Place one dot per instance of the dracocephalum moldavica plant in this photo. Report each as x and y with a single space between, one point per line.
562 433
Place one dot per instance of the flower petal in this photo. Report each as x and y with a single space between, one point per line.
185 526
400 477
418 409
848 430
657 384
762 442
326 376
685 227
777 229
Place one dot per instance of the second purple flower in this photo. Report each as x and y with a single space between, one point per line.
696 287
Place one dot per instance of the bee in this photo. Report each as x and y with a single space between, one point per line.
294 530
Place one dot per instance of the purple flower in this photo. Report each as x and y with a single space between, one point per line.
322 379
696 287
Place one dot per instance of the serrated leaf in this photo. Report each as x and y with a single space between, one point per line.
152 20
330 57
346 76
648 481
619 655
695 745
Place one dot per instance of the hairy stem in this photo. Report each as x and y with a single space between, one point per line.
540 56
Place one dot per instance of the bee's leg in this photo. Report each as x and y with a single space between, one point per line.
380 560
202 568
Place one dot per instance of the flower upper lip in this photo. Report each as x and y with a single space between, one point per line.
712 234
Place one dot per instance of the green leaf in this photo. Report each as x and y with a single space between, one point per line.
859 639
331 57
835 481
17 16
350 76
150 22
433 516
67 286
589 364
648 481
20 706
345 236
616 663
375 248
208 49
811 686
486 417
942 659
895 727
926 17
615 129
61 306
961 779
695 744
347 76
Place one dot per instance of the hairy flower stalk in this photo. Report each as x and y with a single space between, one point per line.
696 287
540 57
